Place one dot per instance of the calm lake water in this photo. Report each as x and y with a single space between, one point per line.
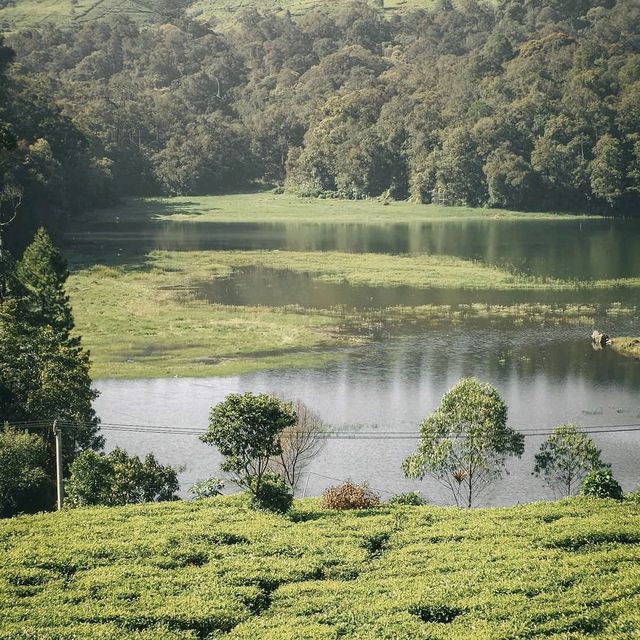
547 375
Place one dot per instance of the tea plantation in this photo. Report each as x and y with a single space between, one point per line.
214 569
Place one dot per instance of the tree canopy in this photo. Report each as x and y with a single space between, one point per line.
527 105
465 442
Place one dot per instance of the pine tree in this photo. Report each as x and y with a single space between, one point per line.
44 372
43 273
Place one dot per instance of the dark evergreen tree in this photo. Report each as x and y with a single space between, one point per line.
42 273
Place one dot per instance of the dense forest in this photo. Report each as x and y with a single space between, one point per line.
526 105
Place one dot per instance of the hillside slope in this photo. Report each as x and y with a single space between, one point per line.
30 13
213 569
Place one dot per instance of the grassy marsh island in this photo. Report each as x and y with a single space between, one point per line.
143 320
627 346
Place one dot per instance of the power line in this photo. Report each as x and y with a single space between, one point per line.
328 434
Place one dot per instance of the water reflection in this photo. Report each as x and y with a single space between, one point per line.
545 376
255 286
588 249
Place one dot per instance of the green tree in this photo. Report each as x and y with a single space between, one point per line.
607 170
91 478
600 483
465 443
23 479
510 180
246 430
565 457
43 379
119 478
43 273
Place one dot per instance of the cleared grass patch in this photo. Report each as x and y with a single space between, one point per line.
271 207
561 570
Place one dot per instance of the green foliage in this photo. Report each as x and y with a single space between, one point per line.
44 372
245 428
23 480
513 104
465 443
207 488
565 458
43 273
347 496
118 479
600 483
216 567
412 498
272 494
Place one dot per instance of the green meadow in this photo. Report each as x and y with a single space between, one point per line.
568 570
266 206
222 13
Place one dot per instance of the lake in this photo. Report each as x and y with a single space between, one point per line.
546 374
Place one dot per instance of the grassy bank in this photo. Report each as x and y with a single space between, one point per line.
142 319
270 207
140 322
566 570
627 346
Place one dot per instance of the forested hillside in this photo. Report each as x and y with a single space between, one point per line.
526 105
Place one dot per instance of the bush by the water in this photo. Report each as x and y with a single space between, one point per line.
600 483
207 488
350 496
412 498
272 494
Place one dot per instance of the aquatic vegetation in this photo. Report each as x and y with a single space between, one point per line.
215 568
143 319
626 346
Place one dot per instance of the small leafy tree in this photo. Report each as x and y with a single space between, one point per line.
246 429
207 488
465 443
600 483
118 479
273 494
22 474
565 457
299 444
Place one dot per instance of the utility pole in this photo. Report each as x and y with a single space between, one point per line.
57 432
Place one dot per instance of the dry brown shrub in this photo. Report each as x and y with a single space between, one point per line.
350 496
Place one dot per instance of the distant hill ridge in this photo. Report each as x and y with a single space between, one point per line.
16 14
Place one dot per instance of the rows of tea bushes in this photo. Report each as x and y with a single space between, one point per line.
216 569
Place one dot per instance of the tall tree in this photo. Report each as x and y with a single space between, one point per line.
565 458
466 442
43 273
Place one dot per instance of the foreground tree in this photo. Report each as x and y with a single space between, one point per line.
565 458
299 444
465 443
246 429
44 372
118 478
23 480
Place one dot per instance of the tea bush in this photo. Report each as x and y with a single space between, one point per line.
600 483
350 496
215 568
273 494
413 499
